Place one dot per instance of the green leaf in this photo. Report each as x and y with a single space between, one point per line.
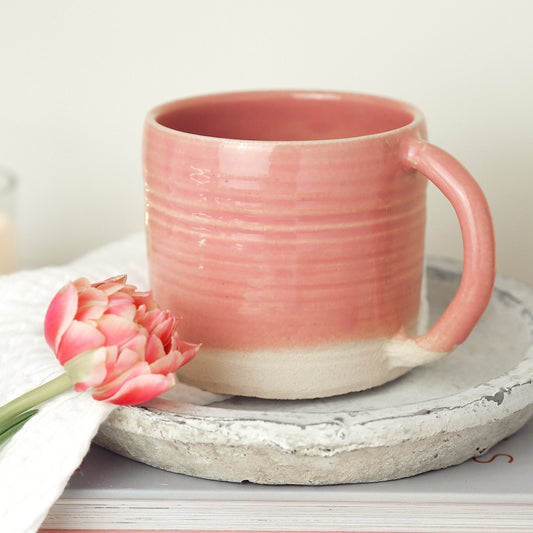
11 426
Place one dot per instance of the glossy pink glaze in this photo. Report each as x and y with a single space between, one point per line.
281 219
479 268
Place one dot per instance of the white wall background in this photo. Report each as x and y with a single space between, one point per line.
77 77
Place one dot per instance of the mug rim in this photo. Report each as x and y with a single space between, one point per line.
153 116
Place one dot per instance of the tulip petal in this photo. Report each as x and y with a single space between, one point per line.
81 284
188 350
137 344
122 305
109 389
117 330
159 323
91 304
154 349
121 278
151 319
146 299
167 364
60 314
111 358
79 337
113 285
143 388
126 359
164 330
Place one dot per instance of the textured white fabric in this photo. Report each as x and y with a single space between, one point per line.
37 462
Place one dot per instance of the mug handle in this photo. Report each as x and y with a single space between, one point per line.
477 281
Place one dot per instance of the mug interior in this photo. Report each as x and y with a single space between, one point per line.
285 116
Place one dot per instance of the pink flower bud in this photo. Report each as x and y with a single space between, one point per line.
115 340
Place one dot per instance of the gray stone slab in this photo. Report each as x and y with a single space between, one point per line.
437 415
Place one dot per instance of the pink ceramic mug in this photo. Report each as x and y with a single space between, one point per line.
286 228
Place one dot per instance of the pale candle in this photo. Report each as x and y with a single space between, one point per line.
7 244
7 222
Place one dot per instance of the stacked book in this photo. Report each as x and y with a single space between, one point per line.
492 493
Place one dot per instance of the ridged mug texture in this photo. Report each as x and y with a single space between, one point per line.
264 244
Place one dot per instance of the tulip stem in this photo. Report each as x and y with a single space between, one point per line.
34 397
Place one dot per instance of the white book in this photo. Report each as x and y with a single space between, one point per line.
493 493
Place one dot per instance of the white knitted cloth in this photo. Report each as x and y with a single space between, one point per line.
37 462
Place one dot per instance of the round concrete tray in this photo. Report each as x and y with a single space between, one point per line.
434 417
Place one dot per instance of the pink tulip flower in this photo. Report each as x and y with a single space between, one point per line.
112 340
115 341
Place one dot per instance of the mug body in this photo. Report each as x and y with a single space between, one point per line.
284 231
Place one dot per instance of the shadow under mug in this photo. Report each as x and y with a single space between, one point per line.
286 228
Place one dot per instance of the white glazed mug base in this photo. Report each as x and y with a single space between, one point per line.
307 372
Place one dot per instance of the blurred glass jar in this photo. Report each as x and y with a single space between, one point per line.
8 187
